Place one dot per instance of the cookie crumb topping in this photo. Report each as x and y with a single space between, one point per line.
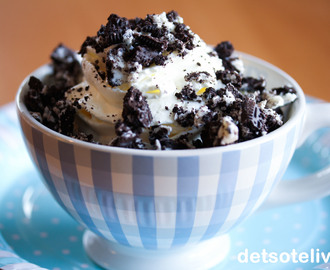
215 104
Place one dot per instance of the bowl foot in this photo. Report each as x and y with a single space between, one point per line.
114 256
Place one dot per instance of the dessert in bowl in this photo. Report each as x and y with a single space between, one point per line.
155 185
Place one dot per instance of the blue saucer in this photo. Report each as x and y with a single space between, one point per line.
35 228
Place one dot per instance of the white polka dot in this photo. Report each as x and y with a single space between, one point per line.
17 193
9 215
295 240
324 214
323 241
268 229
299 268
276 216
55 221
266 241
241 229
239 243
15 237
43 234
84 265
80 228
297 226
10 205
1 226
56 268
73 238
65 251
25 220
37 252
298 209
322 227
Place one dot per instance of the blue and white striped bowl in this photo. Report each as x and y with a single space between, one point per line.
163 199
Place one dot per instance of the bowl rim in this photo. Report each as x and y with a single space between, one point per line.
299 104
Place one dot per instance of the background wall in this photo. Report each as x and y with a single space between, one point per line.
292 34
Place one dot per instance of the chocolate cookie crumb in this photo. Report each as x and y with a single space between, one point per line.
187 93
224 49
126 137
136 111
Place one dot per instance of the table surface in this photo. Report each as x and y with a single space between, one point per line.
293 35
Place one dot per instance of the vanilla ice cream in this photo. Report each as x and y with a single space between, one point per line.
153 83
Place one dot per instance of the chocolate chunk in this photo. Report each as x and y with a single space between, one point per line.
66 114
187 93
46 101
136 111
67 68
33 99
209 133
236 93
183 117
159 135
224 49
228 64
154 30
35 84
144 56
183 34
209 93
152 42
199 77
183 142
110 34
253 118
229 76
126 137
272 123
252 84
172 15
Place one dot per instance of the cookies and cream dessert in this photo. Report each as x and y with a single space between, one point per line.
154 84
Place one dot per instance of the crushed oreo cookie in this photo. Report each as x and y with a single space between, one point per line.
235 109
184 117
136 112
138 41
224 51
126 137
187 93
46 102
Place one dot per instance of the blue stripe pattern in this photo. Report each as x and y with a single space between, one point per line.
70 177
287 156
39 149
187 190
260 179
143 189
142 170
225 193
101 173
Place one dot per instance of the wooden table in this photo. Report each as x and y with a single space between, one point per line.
292 34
